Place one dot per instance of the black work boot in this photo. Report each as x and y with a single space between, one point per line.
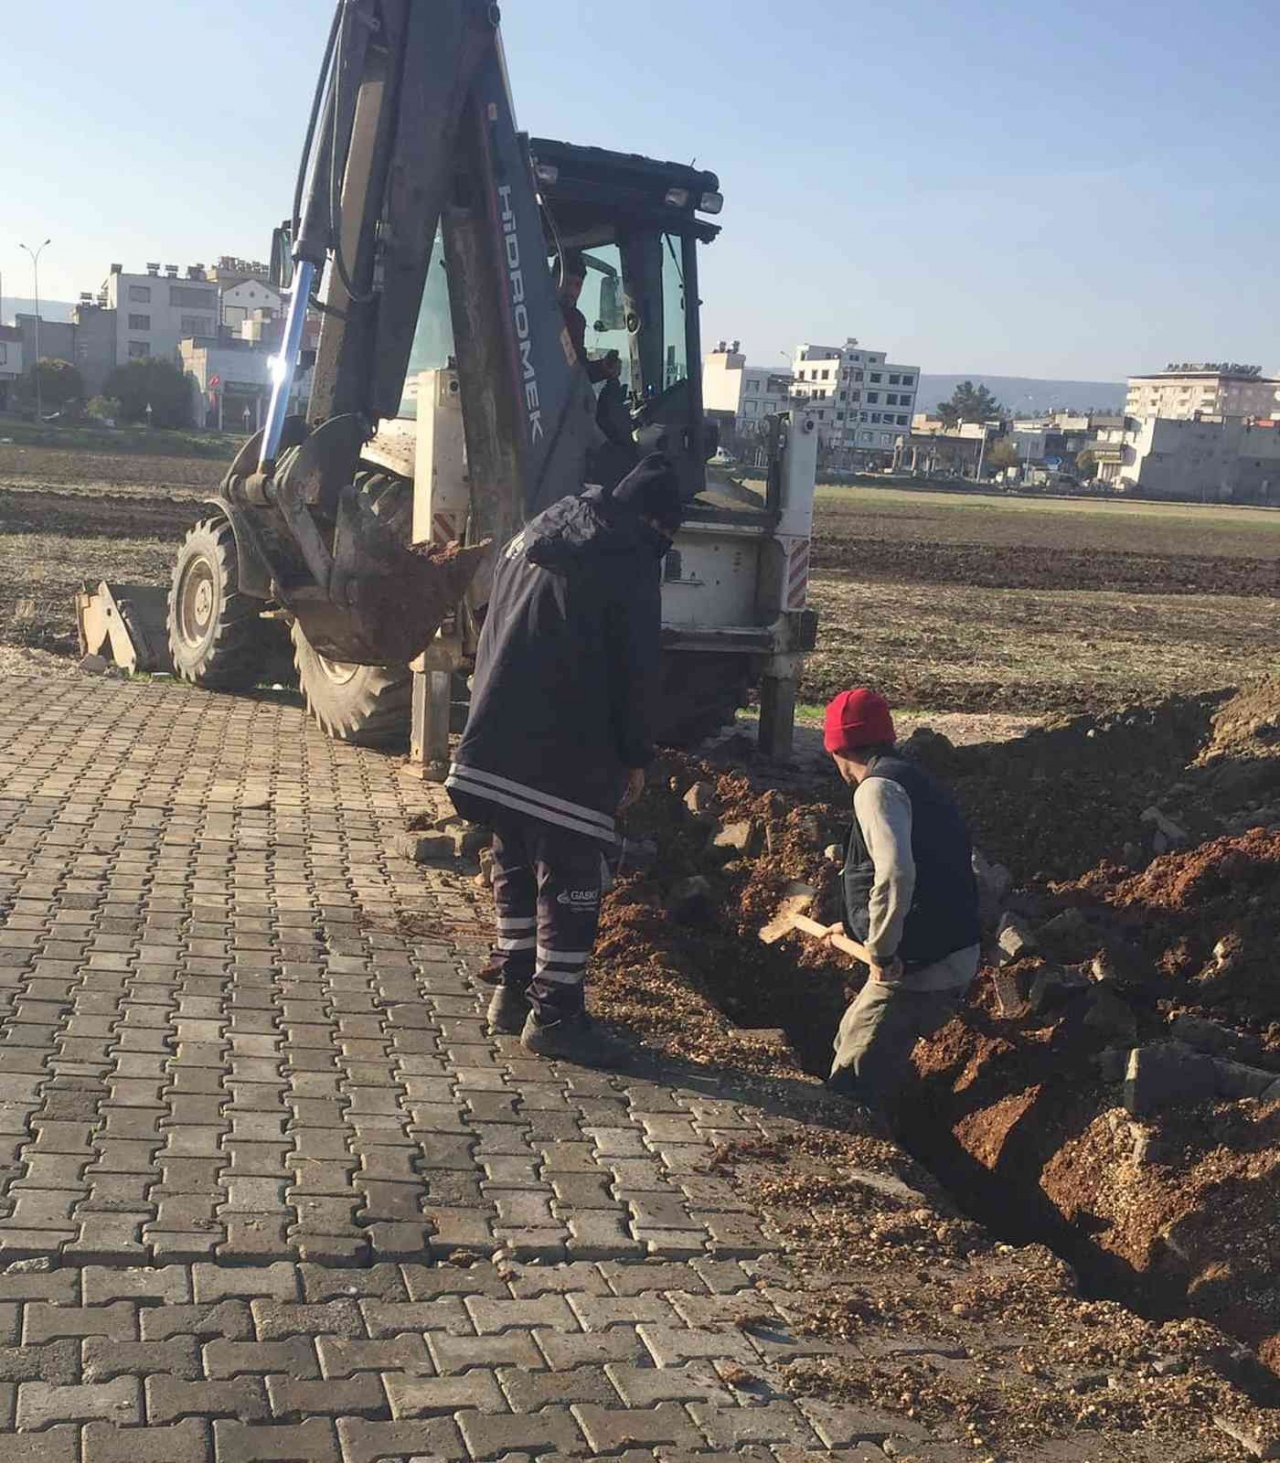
572 1039
507 1011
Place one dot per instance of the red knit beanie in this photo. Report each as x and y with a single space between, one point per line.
858 718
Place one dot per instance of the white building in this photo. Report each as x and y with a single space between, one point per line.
242 301
750 393
866 402
1189 390
1207 460
155 311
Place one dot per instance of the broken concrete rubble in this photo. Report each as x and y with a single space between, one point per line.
1167 1075
741 837
1171 1074
1014 939
700 800
1109 1014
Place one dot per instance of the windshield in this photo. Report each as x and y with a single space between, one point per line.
675 340
433 339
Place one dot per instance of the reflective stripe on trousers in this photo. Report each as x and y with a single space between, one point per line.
546 885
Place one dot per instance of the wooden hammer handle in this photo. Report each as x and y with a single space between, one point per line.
809 926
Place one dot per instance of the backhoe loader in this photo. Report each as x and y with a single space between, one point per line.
448 403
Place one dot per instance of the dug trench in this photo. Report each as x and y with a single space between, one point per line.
1105 1091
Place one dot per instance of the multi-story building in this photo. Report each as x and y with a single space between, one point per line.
866 401
748 394
1190 390
10 362
155 311
1210 459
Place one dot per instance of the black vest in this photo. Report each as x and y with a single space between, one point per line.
944 912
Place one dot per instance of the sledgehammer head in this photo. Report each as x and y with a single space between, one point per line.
795 905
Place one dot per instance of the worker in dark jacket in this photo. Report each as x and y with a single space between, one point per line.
910 897
573 277
559 736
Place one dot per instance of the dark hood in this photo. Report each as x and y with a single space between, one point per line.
590 525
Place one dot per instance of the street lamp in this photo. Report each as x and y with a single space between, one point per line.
35 275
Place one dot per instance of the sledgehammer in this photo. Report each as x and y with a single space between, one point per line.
790 919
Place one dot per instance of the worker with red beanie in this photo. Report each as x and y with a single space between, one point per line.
910 897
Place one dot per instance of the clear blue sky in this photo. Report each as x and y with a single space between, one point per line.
1077 190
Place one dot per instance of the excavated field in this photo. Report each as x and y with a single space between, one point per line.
1022 1112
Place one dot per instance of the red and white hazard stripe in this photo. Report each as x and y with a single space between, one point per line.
444 528
798 575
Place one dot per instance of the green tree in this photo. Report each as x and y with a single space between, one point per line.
61 385
1003 454
152 382
1087 463
969 403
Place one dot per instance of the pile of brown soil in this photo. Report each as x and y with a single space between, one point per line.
1024 1117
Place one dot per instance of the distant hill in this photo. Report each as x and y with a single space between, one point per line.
49 309
1027 395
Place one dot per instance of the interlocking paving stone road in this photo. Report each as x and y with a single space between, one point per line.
268 1191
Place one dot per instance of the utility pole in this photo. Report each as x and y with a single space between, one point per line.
35 275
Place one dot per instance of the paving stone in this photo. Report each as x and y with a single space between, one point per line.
313 1441
554 1431
381 1282
278 1281
422 1396
491 1315
598 1312
348 1397
340 1357
56 1361
453 1354
59 1444
672 1346
427 1282
641 1386
296 1356
104 1360
275 1320
186 1441
170 1284
529 1390
391 1442
41 1404
171 1398
43 1322
610 1430
619 1343
776 1421
229 1318
627 1279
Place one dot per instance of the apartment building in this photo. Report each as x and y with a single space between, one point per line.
1186 391
865 401
748 394
155 311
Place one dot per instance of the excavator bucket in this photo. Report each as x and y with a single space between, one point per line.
128 621
386 600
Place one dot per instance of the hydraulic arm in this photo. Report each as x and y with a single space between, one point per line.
412 137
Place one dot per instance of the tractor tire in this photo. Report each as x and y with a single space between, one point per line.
216 636
367 705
